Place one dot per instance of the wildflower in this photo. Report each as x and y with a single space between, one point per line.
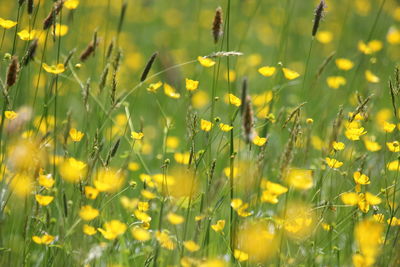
389 127
354 131
335 82
137 135
54 69
44 200
43 240
61 30
206 62
191 246
393 146
379 217
225 127
299 220
171 92
71 4
153 87
368 243
371 47
75 135
26 35
72 170
140 234
392 37
21 184
218 226
240 255
370 77
206 125
182 158
133 166
333 163
191 85
175 218
91 192
309 121
109 180
147 194
371 145
393 165
128 203
88 213
46 180
267 71
360 178
234 100
200 99
89 230
272 191
112 229
344 64
240 207
164 239
338 146
300 178
11 115
324 37
363 200
7 24
259 141
290 74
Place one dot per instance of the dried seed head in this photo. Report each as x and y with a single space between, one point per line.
248 120
12 72
30 53
30 6
90 49
319 13
148 67
217 25
49 20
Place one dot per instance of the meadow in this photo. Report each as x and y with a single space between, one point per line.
199 133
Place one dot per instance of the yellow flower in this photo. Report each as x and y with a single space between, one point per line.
393 36
206 62
259 141
54 69
109 180
164 239
91 192
324 37
354 131
89 230
72 170
393 165
225 127
142 216
191 85
370 77
368 234
344 64
333 163
234 100
240 255
371 145
175 218
137 135
267 71
21 184
362 200
200 99
75 135
393 146
43 240
26 35
44 200
389 127
128 203
191 246
360 178
153 87
205 125
147 194
112 229
218 226
7 24
71 4
290 74
338 146
61 30
182 158
9 114
88 213
170 91
335 82
301 179
370 48
140 234
46 180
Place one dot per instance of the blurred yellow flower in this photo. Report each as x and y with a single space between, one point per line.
267 71
44 200
333 163
140 234
225 127
234 100
206 62
137 135
9 114
259 141
335 82
344 64
71 4
191 85
75 135
153 87
218 226
89 230
371 47
174 218
54 69
170 91
301 179
43 240
7 24
112 229
61 30
91 192
109 180
88 213
72 170
191 246
370 77
205 125
26 35
290 74
324 37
